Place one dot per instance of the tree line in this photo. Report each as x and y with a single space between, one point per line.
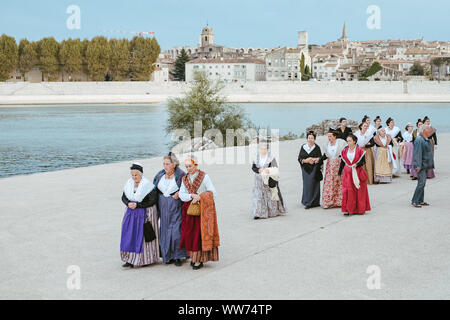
99 58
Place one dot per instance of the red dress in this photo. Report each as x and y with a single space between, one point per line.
354 201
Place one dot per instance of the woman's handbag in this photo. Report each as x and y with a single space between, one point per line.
149 232
194 209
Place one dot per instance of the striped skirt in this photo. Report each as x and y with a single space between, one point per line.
150 250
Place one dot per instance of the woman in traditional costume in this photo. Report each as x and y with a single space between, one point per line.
407 148
310 159
168 182
365 141
355 196
267 199
383 157
332 184
138 247
199 229
397 138
371 130
377 125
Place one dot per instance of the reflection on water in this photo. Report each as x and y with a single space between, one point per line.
37 139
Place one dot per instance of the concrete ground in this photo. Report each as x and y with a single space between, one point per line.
54 220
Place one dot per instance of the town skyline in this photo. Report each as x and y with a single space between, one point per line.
269 26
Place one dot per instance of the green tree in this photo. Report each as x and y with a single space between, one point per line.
120 59
204 103
9 56
98 54
28 57
179 73
144 53
307 74
374 68
48 53
416 69
71 55
302 64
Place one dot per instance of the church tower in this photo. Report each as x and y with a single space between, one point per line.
207 37
344 37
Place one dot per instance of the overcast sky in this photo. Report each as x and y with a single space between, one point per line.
236 23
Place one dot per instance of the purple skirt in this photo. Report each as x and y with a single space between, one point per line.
408 156
133 230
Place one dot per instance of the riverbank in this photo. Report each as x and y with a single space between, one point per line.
54 93
54 220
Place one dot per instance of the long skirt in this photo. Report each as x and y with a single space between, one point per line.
383 168
191 238
369 165
263 205
332 185
408 155
311 188
133 248
395 151
354 201
170 224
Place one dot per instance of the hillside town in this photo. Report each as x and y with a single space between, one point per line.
342 59
339 60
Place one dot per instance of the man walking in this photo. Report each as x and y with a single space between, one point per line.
422 161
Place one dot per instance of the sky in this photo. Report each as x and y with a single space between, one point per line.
236 23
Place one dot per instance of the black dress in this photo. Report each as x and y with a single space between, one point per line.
312 175
345 134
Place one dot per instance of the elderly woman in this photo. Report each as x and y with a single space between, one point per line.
138 247
199 230
383 157
332 184
397 138
267 199
365 141
168 182
355 196
310 159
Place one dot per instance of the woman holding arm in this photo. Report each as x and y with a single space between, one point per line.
140 197
199 229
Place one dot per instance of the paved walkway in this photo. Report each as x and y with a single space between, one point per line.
53 220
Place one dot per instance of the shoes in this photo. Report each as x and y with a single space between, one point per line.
256 218
127 265
170 262
178 262
198 267
424 204
416 205
192 264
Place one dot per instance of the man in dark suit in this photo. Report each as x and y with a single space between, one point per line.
343 131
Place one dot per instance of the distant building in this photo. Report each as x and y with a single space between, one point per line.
227 70
284 63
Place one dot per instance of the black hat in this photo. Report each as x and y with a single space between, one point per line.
138 167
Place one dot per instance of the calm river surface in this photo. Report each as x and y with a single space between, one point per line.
45 138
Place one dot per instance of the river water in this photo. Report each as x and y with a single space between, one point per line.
45 138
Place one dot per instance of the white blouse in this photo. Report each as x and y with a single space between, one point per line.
363 139
351 155
407 136
167 186
307 148
383 140
332 149
206 185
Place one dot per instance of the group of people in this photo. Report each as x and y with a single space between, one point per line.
371 155
174 217
184 205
